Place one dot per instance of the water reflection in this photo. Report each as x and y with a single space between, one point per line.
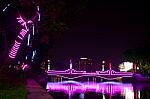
110 89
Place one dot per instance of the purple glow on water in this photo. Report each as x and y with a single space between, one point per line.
74 87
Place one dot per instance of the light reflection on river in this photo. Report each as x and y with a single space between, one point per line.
103 90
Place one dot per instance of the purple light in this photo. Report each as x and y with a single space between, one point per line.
107 88
25 66
23 32
14 49
77 74
22 22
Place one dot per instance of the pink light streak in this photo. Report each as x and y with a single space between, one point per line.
24 66
107 88
22 22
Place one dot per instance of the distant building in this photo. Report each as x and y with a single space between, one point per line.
85 64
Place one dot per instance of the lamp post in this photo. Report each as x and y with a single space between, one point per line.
103 62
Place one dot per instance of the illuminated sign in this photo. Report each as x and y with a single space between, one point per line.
126 66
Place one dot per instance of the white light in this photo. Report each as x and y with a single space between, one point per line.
70 64
48 60
9 66
6 7
139 94
49 67
18 62
138 68
39 17
28 40
103 62
26 57
103 96
126 66
33 54
129 94
38 8
33 29
83 58
102 67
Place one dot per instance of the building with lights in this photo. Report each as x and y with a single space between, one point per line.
85 64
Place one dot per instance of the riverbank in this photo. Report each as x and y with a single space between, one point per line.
36 91
12 88
21 87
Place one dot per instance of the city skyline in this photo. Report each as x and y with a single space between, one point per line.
105 30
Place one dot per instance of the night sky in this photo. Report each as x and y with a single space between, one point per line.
104 31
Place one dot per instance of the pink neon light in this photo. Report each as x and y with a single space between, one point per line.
29 21
14 49
22 22
107 88
24 66
23 32
76 74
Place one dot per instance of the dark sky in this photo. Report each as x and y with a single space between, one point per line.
104 31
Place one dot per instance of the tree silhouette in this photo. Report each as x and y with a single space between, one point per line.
140 56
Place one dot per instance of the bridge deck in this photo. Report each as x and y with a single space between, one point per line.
71 74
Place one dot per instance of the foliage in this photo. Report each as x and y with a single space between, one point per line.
12 89
16 92
140 56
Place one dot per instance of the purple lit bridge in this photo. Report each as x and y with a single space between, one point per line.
72 74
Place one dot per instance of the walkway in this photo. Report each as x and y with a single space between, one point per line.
35 91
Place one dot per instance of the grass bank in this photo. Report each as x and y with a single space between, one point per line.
12 88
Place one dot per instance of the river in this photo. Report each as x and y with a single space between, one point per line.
102 90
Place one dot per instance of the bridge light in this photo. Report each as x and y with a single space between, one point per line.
70 64
102 67
103 62
83 58
49 66
48 60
